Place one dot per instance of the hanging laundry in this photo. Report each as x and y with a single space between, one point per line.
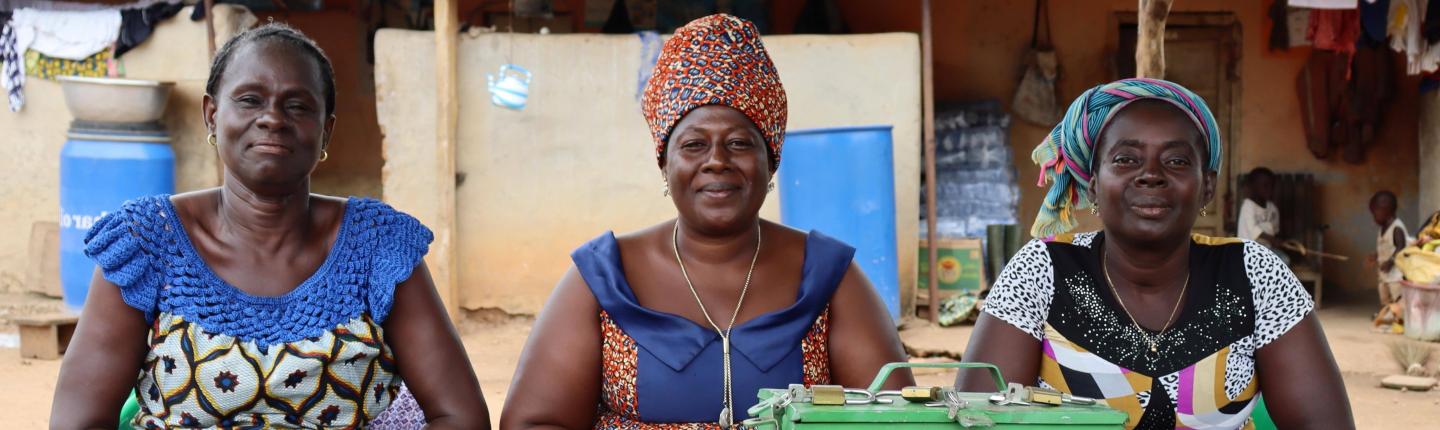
649 55
46 67
1367 94
137 24
1405 31
1325 4
1334 30
12 64
1319 87
1298 22
1374 20
1279 33
71 35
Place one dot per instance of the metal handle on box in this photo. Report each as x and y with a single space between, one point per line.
884 373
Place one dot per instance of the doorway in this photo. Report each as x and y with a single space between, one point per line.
1202 53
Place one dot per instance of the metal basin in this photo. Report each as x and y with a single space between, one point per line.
115 100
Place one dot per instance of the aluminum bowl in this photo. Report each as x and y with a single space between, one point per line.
115 100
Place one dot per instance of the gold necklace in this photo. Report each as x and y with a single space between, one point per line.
1161 333
727 415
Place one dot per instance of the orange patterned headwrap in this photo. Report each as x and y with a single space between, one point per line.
716 60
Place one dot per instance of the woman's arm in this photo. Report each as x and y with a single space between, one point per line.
862 337
431 358
994 341
557 385
1300 381
99 370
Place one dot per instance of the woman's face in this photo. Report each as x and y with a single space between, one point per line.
717 168
268 115
1149 179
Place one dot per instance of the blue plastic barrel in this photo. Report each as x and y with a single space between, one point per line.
841 181
99 170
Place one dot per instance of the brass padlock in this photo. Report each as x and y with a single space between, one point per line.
1045 396
827 395
920 394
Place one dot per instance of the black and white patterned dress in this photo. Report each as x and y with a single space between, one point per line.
1241 297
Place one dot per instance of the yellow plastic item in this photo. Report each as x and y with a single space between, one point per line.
1419 265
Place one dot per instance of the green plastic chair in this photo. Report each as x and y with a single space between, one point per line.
1261 416
127 412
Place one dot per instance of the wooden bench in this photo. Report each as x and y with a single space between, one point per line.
45 336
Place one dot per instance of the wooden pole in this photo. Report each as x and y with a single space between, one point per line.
210 25
1150 44
447 110
927 88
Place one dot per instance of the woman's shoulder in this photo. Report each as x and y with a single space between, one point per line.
375 218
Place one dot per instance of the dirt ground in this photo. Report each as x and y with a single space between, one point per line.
494 343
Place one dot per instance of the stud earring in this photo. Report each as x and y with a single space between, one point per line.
770 187
213 141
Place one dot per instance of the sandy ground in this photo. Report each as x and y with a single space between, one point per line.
494 343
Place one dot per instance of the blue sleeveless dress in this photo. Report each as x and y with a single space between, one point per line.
218 357
664 371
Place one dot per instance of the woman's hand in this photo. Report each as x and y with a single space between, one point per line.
431 358
100 365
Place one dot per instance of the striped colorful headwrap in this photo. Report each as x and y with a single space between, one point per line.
716 60
1065 156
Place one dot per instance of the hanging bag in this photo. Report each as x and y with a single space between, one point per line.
1035 99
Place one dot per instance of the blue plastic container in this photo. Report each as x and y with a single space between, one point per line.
100 170
841 181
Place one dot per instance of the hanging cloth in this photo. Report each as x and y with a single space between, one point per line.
1326 4
1035 99
136 24
70 35
12 64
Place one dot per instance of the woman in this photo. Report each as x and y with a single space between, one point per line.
258 304
1178 330
642 324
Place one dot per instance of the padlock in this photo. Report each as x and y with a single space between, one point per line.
920 394
827 394
1045 396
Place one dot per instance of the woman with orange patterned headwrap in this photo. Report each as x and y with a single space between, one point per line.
705 309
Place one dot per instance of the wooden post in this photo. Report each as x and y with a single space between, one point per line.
927 88
209 6
1150 43
442 251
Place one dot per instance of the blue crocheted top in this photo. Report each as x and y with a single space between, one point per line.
144 250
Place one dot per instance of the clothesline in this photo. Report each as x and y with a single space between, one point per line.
46 39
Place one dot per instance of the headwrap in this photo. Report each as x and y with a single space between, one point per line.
1065 156
716 60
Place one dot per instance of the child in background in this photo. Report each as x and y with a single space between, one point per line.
1393 237
1259 218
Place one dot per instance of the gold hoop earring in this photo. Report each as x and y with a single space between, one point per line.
324 155
213 141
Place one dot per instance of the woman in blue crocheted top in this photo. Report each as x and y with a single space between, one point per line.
258 304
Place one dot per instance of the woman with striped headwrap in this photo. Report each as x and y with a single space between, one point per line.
648 337
1178 330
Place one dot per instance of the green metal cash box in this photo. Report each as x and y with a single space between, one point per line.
1013 407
